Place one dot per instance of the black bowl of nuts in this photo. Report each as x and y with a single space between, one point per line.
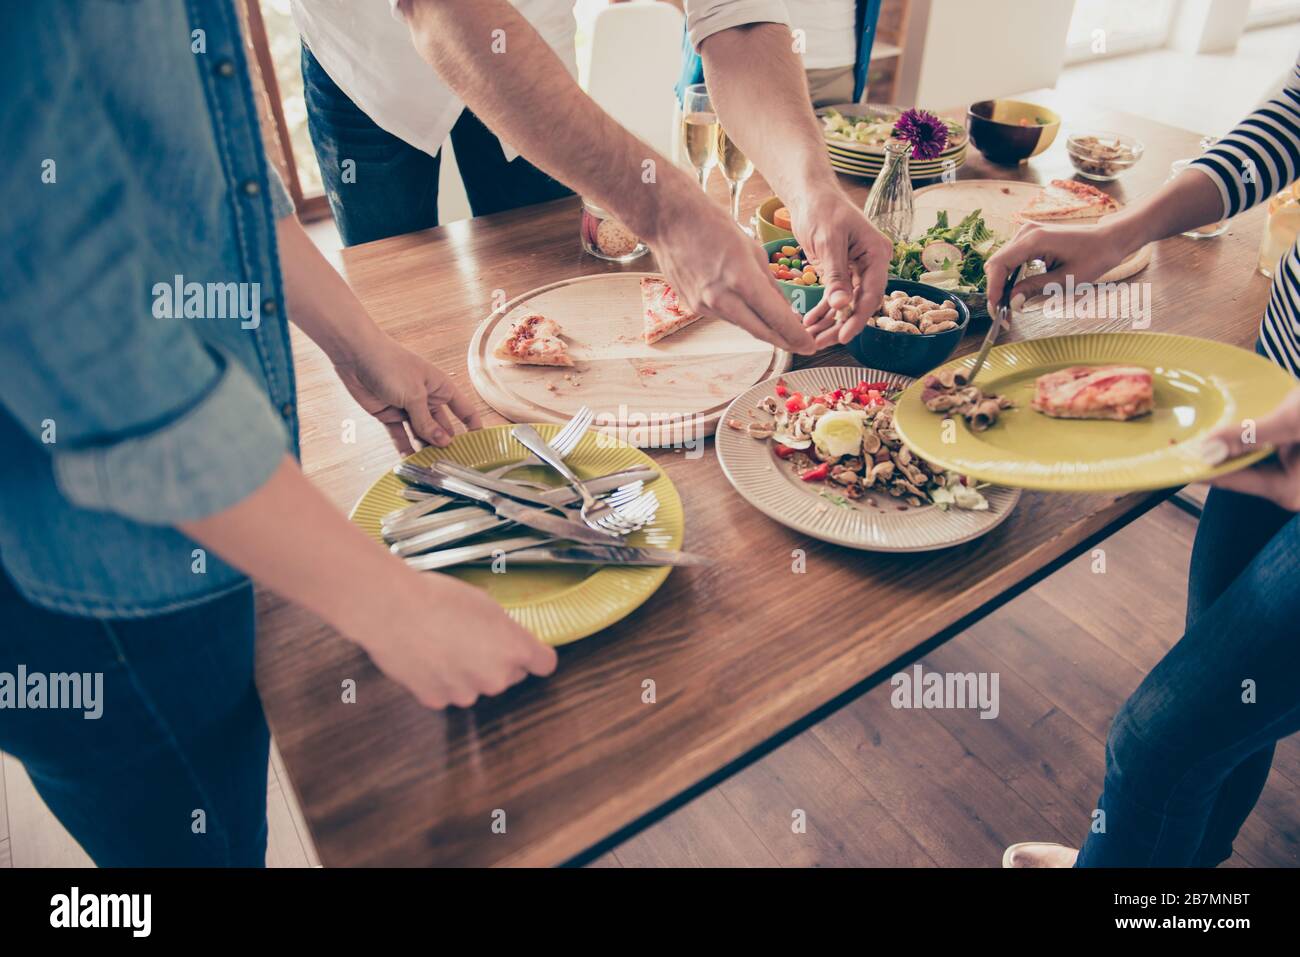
915 328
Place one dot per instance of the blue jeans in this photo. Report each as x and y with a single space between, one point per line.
396 185
1189 752
173 772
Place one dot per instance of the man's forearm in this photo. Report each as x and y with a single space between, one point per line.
757 85
497 63
319 300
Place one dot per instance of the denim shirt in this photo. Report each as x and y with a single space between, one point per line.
128 403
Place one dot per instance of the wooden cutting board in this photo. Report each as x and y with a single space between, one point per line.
647 395
1000 201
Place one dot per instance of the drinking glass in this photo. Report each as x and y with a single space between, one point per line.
699 131
736 169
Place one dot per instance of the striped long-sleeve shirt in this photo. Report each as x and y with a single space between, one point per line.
1257 159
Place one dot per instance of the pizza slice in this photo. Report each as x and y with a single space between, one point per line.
1095 392
664 315
534 340
1064 199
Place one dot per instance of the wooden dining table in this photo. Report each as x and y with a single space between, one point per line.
742 654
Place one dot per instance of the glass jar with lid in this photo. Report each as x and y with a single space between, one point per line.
606 238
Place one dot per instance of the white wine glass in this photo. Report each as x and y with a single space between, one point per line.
699 131
736 170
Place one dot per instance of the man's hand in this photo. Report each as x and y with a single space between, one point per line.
399 388
853 257
1277 478
448 643
717 270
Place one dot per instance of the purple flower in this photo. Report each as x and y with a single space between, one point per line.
926 132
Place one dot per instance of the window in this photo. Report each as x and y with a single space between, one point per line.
1107 27
1266 13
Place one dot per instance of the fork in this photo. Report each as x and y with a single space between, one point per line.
565 441
595 513
635 507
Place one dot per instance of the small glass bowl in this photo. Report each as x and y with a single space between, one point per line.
606 238
1103 156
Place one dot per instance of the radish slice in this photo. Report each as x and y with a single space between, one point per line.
935 255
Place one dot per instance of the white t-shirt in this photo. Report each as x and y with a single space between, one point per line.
830 37
365 47
367 51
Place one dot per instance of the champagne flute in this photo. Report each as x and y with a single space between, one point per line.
699 131
736 170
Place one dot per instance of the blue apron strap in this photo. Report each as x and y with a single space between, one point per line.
692 67
868 13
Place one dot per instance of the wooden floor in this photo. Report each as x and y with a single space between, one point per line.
882 787
878 786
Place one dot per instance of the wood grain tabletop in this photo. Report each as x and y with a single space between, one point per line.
738 652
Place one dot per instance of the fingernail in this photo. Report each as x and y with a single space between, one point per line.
1018 301
1213 451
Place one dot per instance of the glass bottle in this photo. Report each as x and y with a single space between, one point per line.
1281 229
889 205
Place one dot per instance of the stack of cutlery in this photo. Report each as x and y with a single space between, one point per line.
451 503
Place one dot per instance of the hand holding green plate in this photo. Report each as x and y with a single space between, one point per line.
1200 385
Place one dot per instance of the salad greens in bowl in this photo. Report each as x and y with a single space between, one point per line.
950 258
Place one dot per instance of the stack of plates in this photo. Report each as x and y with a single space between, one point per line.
867 160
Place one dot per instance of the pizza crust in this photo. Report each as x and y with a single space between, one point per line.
534 340
1067 199
662 311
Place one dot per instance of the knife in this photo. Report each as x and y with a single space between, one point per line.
561 495
554 525
446 557
403 522
406 527
1000 315
428 503
447 534
533 550
551 497
605 555
409 528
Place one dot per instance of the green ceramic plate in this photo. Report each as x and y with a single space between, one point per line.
1199 386
558 604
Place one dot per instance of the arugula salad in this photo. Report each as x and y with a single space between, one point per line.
948 257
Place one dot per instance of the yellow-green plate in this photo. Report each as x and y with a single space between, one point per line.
557 603
1200 385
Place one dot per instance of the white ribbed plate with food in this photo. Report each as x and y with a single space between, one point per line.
876 522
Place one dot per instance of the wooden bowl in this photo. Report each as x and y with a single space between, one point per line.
1011 131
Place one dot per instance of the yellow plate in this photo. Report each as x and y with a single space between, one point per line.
938 161
857 157
1200 385
928 170
557 603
